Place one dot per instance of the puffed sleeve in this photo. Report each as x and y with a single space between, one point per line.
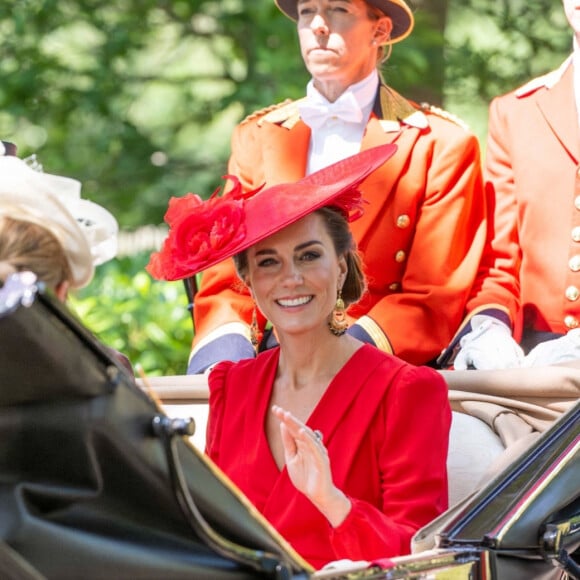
412 466
217 395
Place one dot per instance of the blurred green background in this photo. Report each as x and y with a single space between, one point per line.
138 98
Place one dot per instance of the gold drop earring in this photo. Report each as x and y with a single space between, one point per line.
338 323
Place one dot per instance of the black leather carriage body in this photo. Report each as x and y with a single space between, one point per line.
96 482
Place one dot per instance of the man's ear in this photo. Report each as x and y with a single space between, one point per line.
384 27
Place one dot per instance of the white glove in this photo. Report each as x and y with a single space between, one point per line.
488 346
555 351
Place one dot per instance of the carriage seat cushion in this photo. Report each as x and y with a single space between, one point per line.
473 447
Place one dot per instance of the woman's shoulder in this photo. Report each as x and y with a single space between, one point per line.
404 373
227 368
242 370
370 353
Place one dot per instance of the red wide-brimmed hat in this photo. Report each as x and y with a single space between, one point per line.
396 10
203 233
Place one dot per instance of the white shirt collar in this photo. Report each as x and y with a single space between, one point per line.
334 139
364 92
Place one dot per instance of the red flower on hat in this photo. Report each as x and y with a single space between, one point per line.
199 230
350 203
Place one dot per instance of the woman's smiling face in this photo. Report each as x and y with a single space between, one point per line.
294 276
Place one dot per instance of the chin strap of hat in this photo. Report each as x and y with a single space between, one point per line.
190 290
167 430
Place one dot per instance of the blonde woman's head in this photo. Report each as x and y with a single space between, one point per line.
46 223
28 246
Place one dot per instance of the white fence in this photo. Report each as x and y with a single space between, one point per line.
144 239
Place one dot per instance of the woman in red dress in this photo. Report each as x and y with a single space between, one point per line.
342 447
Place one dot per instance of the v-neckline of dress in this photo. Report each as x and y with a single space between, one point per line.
313 419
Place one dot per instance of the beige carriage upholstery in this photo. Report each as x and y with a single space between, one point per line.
473 449
498 416
182 396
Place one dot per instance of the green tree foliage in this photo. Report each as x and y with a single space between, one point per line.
495 46
137 98
148 321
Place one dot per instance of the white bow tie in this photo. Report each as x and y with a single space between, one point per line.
315 111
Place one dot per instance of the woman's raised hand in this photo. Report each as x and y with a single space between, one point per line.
308 466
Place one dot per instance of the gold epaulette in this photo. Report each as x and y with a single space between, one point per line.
286 114
277 113
264 111
427 108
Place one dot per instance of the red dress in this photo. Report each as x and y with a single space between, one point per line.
385 425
